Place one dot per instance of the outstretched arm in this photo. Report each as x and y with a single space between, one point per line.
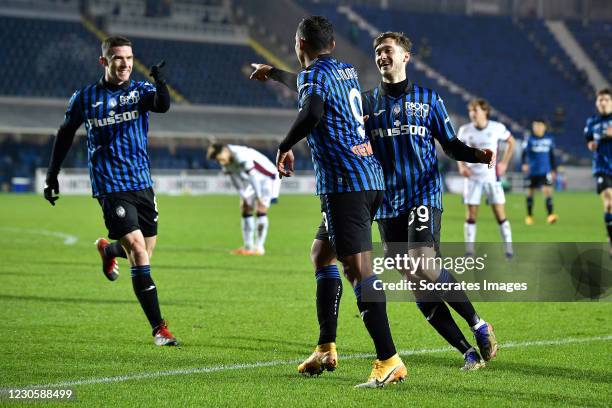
457 150
263 72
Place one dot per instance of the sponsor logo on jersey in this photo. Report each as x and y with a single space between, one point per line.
132 98
113 119
417 109
412 130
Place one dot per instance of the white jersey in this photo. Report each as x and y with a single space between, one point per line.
487 138
252 173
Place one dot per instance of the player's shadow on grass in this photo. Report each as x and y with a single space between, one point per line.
86 300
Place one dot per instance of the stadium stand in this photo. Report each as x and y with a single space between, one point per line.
62 57
484 56
596 38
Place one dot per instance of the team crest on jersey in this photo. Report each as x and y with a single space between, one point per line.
132 98
397 109
417 109
112 102
120 211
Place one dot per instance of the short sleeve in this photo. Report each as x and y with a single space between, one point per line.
588 130
147 94
311 82
441 125
504 133
74 113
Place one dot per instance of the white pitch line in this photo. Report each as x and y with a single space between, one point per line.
68 239
259 364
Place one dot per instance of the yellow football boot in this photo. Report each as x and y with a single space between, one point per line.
389 371
324 357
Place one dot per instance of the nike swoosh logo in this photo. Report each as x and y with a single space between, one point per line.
379 112
149 288
363 314
421 228
95 105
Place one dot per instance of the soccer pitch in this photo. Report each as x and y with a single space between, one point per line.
246 322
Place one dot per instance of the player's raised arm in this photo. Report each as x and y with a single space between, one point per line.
263 72
159 99
61 146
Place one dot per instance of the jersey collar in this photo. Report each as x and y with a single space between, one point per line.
114 88
319 57
407 90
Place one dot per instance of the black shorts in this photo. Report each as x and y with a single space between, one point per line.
129 211
539 181
603 181
347 220
420 226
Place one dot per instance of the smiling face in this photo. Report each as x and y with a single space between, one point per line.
118 63
391 60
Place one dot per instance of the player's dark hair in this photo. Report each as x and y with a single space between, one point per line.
539 120
400 39
317 31
482 104
114 41
214 150
605 91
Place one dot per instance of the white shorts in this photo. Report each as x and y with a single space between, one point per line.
473 190
270 189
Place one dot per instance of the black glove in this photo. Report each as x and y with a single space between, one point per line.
157 73
51 188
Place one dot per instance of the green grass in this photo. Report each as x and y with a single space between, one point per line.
63 321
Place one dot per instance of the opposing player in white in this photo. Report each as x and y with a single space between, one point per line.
483 133
257 181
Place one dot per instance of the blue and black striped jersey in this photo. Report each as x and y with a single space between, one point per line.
539 152
402 131
595 129
117 121
341 153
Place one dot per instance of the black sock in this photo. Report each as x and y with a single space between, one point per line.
608 220
457 299
114 250
529 206
439 316
373 310
146 292
329 292
549 205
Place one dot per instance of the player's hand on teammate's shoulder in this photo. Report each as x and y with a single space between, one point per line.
51 190
284 163
261 72
157 73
